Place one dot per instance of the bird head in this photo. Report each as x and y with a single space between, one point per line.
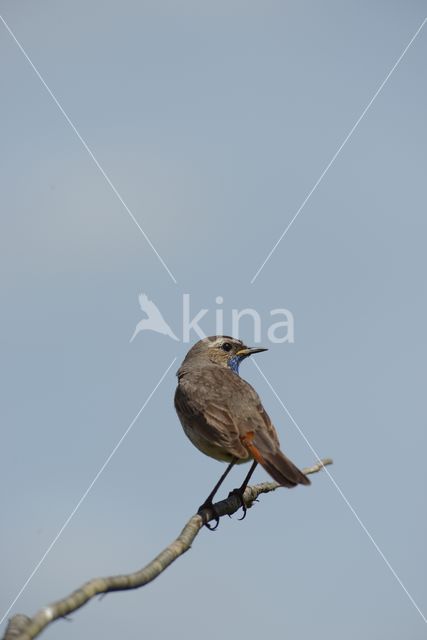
224 351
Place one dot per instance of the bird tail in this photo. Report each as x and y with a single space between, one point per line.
280 468
283 470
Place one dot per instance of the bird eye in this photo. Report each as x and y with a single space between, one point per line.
226 346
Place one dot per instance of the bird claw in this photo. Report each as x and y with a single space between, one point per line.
215 525
244 512
202 512
238 492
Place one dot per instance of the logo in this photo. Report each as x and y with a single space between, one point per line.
279 329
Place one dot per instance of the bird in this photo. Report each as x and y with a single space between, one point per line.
154 321
224 418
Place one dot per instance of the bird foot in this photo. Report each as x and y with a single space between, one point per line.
203 512
239 493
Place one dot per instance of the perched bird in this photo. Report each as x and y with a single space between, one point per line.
223 416
154 320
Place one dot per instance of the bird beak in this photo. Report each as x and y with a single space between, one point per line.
248 351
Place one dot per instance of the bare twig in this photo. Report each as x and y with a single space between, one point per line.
21 627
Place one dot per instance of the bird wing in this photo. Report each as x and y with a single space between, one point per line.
227 409
210 428
244 407
258 435
204 410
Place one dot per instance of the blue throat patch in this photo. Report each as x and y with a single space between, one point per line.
234 362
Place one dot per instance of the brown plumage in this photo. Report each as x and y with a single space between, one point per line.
222 414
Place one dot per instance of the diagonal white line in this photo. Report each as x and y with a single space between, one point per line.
86 146
84 496
338 488
340 148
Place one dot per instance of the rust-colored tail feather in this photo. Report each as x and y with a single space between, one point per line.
280 468
283 470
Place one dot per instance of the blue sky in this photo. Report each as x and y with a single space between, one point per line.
213 122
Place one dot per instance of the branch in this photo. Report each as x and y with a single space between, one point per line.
21 627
